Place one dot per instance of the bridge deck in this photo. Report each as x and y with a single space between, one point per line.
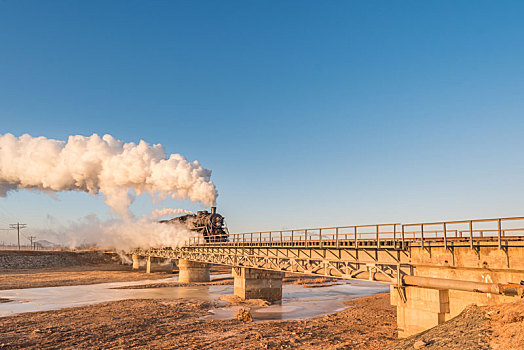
435 269
382 252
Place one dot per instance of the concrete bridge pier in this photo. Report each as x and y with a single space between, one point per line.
419 309
136 262
257 284
148 264
191 271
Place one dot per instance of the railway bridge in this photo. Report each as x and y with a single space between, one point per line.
434 269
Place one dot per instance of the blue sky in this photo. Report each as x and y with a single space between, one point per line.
309 113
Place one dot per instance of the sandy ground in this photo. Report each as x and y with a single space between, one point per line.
368 324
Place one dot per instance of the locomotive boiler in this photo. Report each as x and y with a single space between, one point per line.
210 225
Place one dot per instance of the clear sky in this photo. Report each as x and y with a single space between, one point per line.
309 113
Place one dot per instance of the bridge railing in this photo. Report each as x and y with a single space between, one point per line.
472 231
381 235
319 236
332 236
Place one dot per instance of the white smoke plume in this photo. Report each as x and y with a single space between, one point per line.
120 234
103 165
158 213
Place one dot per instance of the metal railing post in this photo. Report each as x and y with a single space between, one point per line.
499 223
338 244
320 237
356 236
305 235
422 234
378 239
471 234
395 236
403 242
292 234
445 237
281 243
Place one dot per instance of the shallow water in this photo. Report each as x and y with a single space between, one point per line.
298 302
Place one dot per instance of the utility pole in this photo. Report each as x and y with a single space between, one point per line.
31 239
18 226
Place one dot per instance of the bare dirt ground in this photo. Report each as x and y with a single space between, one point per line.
368 324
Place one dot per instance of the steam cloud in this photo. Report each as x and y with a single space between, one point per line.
158 213
101 165
112 168
120 234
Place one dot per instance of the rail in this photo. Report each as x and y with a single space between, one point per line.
495 231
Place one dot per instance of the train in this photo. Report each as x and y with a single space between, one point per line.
209 225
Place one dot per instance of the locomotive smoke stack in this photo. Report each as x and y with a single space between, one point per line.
213 210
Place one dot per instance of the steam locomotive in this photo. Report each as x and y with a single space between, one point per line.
208 224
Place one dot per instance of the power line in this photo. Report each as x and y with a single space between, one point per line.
18 226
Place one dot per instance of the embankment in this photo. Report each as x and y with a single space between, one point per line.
21 260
